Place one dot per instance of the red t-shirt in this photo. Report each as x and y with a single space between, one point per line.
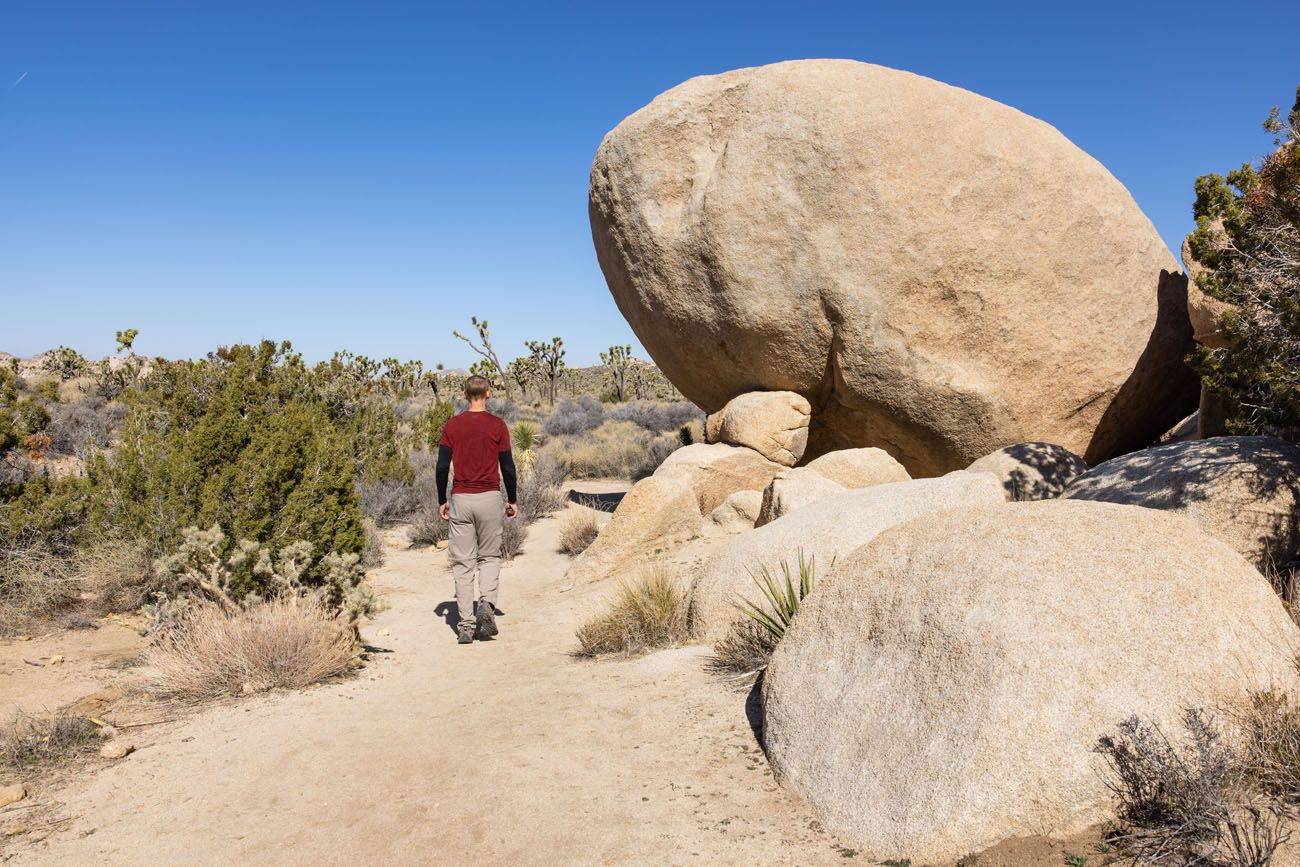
476 440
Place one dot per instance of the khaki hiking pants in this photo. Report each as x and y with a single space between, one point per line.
474 540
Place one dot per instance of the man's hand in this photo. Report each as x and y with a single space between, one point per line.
511 510
444 511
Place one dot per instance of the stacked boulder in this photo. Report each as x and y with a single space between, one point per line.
906 255
753 438
772 423
1032 471
1244 491
829 474
823 531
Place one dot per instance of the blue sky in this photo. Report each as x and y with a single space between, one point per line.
368 175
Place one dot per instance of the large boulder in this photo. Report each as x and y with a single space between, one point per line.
772 423
942 688
939 275
824 530
1032 471
657 512
794 489
738 512
716 471
859 468
1243 490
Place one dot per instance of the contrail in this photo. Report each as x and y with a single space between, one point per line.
18 81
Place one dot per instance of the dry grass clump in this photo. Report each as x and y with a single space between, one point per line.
37 584
284 643
1270 744
31 742
578 529
1201 801
646 613
615 450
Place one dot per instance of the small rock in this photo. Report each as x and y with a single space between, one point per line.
15 830
55 660
116 749
107 731
24 638
12 794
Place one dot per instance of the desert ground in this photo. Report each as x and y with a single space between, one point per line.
503 752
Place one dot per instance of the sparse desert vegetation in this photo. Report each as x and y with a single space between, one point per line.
956 522
647 612
578 529
747 647
283 643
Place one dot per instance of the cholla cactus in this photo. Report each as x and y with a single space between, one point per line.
206 564
200 565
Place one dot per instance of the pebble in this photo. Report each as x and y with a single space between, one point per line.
55 660
24 638
116 749
107 731
12 794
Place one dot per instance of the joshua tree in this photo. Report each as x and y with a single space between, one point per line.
433 379
550 361
617 360
484 348
125 338
524 372
65 363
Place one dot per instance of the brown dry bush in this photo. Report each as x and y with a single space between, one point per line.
646 613
31 742
427 528
578 529
34 584
38 585
745 649
115 573
1270 743
1194 802
285 643
513 533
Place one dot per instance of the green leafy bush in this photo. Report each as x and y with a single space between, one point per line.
1247 249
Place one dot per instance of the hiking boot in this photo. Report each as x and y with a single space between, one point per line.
485 619
465 634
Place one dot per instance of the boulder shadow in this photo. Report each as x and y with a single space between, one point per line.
1161 391
754 710
606 502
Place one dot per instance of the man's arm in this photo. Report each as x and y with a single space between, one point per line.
507 461
442 472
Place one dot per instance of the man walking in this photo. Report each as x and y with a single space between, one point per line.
478 444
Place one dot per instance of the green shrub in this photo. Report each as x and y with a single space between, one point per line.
426 430
1247 242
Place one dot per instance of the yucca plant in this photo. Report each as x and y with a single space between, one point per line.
783 595
524 436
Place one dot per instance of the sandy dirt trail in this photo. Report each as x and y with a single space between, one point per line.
504 752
